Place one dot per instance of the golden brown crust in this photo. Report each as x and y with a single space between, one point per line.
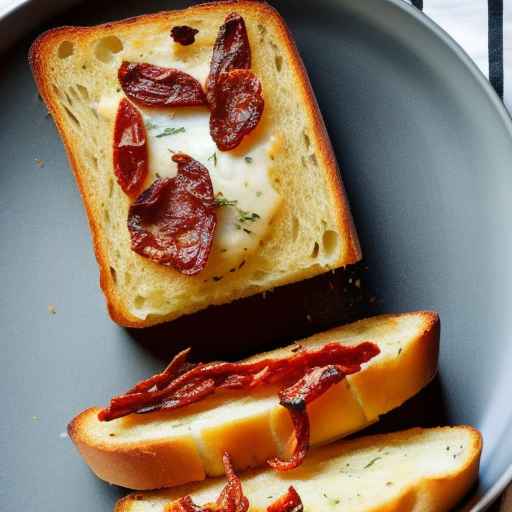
117 308
143 465
375 392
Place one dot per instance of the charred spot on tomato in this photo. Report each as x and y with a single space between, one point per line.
156 86
230 51
173 221
237 109
130 153
184 35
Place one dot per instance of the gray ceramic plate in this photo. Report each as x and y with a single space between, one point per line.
426 148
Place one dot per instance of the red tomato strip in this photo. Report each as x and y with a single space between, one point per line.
130 153
295 398
233 92
155 86
231 498
231 51
289 502
238 108
173 221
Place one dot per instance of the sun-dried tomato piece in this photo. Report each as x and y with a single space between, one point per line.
173 221
289 502
189 394
231 498
300 421
295 398
238 108
159 389
160 380
155 86
130 153
231 51
184 35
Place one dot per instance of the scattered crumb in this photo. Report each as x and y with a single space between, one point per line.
35 418
331 285
389 484
39 162
63 435
308 318
358 283
51 309
349 280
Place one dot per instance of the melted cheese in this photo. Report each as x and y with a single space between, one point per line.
240 176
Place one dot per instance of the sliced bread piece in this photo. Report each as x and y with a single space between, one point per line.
163 449
417 470
284 172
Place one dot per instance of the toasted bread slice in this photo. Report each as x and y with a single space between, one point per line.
164 449
417 470
304 226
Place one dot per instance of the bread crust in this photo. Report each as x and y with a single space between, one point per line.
153 464
143 465
116 307
437 493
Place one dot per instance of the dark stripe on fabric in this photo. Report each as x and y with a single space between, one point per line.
495 9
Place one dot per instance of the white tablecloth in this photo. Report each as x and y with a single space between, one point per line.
467 22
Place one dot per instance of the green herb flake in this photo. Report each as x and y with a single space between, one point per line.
372 462
150 125
332 501
247 216
213 158
248 159
220 201
259 193
399 351
171 131
248 231
389 484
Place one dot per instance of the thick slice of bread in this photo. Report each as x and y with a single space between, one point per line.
417 470
163 449
311 231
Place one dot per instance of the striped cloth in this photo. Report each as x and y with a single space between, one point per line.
484 29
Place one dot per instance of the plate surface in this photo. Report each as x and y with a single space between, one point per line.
425 148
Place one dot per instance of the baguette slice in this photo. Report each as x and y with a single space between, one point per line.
164 449
417 470
308 233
